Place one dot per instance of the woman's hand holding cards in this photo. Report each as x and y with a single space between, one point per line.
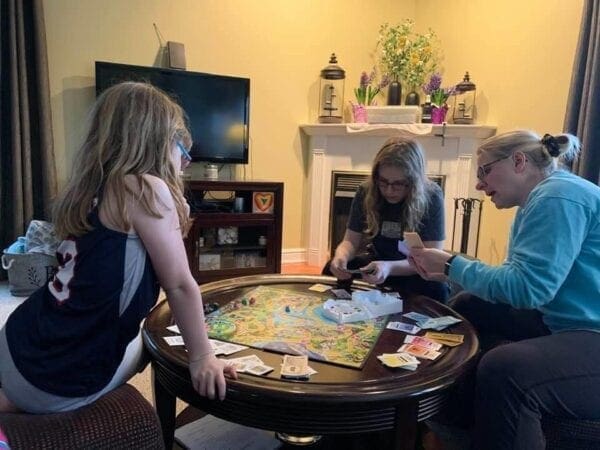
429 263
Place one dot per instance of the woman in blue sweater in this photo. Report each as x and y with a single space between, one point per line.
545 297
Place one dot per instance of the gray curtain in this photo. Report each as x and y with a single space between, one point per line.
27 166
583 108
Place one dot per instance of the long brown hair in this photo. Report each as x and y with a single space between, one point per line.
131 130
406 155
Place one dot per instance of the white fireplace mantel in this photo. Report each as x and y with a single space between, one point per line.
449 150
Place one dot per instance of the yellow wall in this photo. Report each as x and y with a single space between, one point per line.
280 44
519 54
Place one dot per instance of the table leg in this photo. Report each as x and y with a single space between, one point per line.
405 430
165 408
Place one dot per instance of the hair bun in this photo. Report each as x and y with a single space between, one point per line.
551 144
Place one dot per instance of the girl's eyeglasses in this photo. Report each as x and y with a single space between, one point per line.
395 185
186 155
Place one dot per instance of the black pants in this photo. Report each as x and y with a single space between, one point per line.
407 284
516 383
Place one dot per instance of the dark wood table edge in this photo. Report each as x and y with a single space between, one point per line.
166 371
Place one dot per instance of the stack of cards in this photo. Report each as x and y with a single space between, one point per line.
419 352
423 342
427 322
402 360
219 347
451 340
296 367
251 364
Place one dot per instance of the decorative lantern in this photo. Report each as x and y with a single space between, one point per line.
331 90
464 102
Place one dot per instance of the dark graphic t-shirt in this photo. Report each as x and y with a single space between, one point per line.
385 244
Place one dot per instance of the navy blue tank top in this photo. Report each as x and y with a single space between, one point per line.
70 336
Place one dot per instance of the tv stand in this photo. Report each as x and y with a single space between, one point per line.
224 244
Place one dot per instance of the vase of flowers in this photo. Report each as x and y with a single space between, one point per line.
365 95
408 57
439 96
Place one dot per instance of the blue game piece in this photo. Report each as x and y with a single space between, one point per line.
287 309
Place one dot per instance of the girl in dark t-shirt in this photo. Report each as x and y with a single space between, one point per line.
397 197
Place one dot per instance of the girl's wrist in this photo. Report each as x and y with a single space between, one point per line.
201 356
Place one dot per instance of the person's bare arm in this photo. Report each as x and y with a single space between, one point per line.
164 243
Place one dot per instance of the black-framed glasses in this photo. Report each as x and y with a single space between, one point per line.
485 169
383 184
186 155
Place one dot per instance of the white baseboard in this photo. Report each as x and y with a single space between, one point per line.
293 256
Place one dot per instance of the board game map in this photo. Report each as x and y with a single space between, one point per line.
292 322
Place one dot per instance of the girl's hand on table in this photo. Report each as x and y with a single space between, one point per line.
208 376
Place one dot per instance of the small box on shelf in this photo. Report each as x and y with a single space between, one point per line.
227 235
209 261
392 114
249 259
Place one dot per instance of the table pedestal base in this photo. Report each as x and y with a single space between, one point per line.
298 440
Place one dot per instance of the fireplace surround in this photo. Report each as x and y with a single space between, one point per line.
449 152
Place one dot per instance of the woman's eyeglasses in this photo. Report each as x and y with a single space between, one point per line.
383 184
184 153
485 169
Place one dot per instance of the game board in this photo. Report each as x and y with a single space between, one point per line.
292 322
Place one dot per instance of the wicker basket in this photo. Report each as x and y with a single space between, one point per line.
27 272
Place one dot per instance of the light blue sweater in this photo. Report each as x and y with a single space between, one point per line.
553 262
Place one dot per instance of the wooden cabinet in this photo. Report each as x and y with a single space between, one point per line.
236 229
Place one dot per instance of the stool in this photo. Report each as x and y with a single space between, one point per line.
571 434
123 418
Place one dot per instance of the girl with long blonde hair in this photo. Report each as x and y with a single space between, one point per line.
121 217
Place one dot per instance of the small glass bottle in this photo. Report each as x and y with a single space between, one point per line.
262 240
426 110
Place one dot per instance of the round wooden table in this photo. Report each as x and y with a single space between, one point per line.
336 400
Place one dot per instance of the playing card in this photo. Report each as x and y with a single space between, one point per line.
173 328
228 348
295 366
454 340
403 360
405 327
250 360
318 287
259 369
237 365
341 293
174 340
439 323
417 317
459 338
403 248
413 240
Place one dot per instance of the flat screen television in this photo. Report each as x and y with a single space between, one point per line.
217 106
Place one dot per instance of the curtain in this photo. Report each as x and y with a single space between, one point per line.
583 107
27 166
